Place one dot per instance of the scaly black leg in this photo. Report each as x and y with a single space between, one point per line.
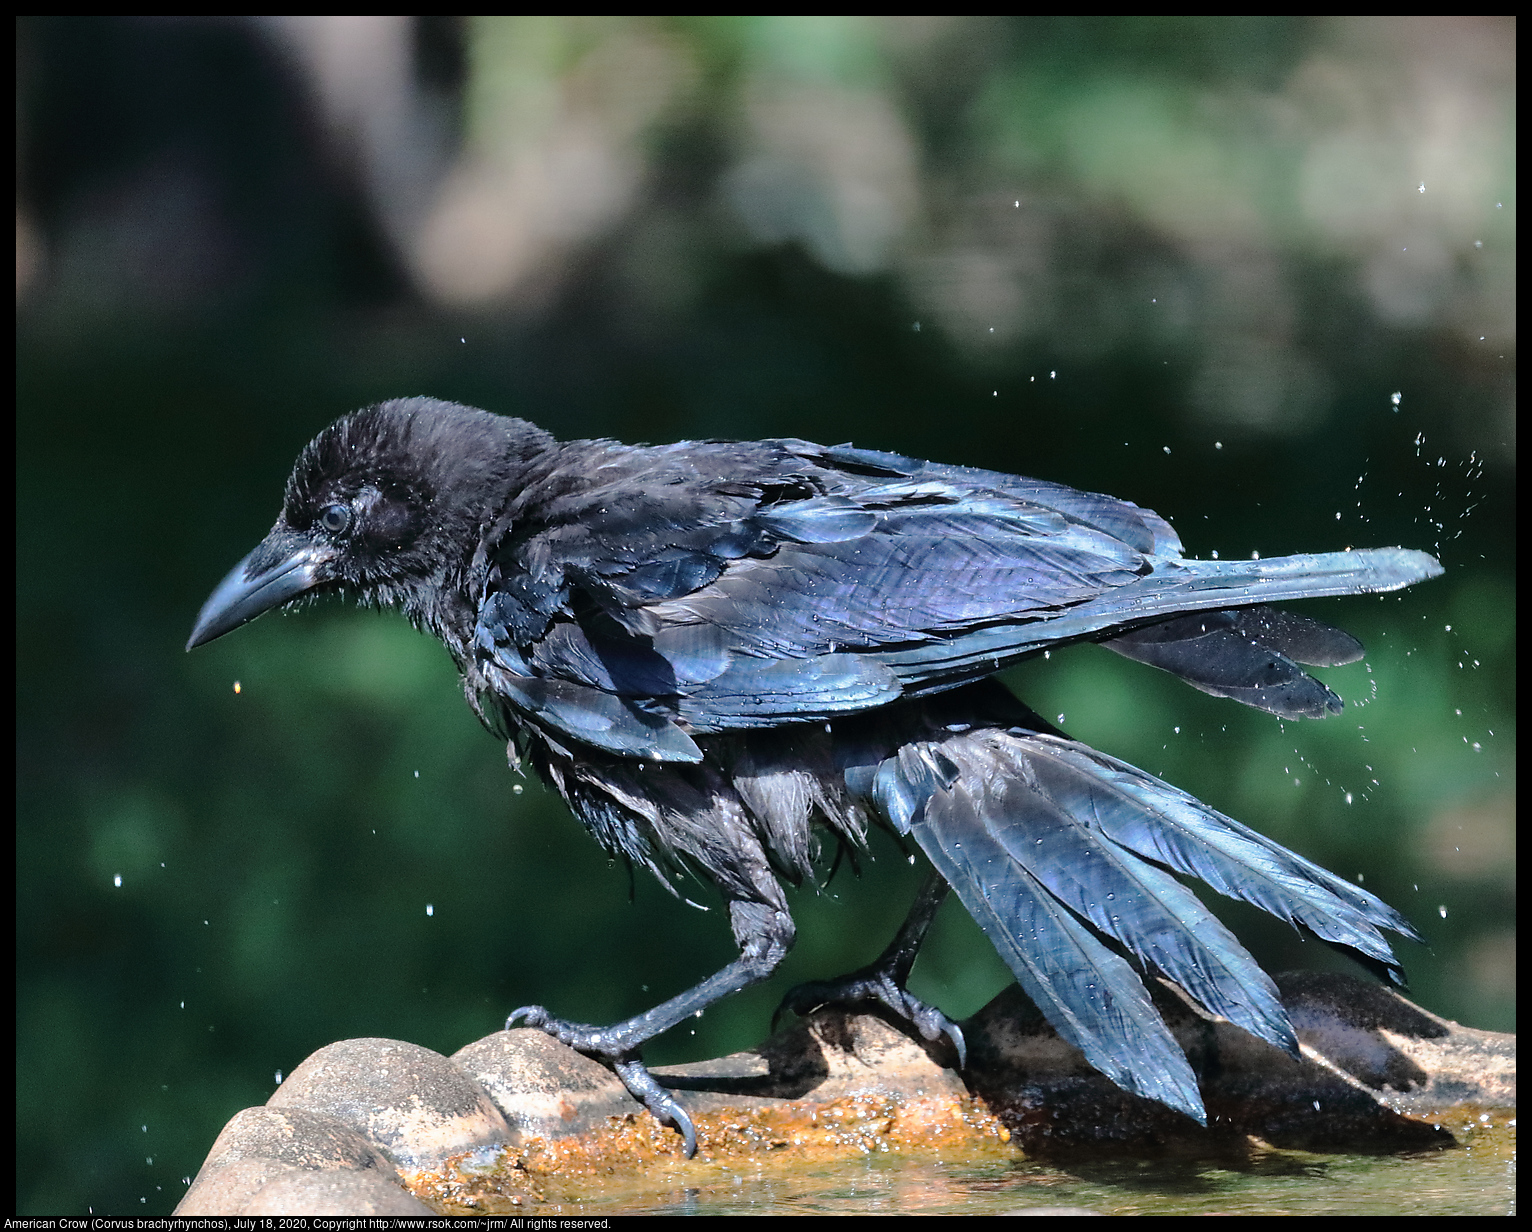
764 934
883 980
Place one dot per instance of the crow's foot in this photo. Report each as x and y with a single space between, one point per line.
876 983
605 1044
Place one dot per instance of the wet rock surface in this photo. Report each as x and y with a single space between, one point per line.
514 1120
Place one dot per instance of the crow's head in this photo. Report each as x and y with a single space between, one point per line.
386 504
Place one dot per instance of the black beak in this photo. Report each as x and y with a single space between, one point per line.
284 566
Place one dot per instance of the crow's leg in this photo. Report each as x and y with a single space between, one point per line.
764 934
883 980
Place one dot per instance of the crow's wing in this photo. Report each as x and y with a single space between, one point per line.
1057 850
732 586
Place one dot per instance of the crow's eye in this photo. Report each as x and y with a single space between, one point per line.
335 518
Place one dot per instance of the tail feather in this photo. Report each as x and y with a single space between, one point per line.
1249 654
1301 638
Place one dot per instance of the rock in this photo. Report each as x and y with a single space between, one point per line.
377 1126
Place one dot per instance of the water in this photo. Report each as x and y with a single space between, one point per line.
1477 1178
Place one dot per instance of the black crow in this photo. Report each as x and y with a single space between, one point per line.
710 647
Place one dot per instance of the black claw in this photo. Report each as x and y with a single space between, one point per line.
535 1016
935 1025
954 1034
643 1086
880 988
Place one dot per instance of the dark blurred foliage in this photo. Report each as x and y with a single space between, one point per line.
1165 258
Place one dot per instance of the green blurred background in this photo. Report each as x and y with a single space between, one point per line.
1257 274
